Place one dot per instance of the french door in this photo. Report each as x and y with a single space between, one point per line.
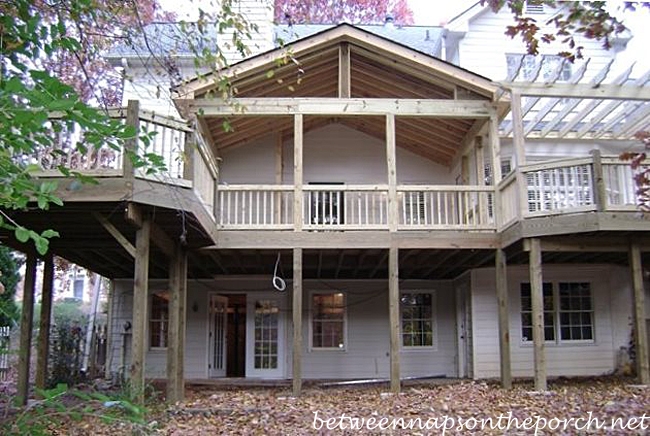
217 349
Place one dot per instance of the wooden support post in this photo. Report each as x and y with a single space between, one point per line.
140 303
640 329
131 144
176 332
537 300
600 190
297 321
480 178
344 71
109 330
519 146
391 161
504 324
298 199
279 169
26 315
393 316
44 325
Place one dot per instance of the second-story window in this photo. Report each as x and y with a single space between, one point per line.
529 64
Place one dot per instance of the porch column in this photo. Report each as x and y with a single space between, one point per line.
44 325
641 334
140 303
297 173
297 321
495 158
393 316
26 315
393 208
537 303
504 324
176 332
519 147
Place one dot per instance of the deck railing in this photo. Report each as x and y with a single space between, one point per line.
188 161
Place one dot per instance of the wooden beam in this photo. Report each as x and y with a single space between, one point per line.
577 90
344 70
26 315
344 106
133 214
119 237
298 173
297 321
393 317
131 144
176 332
504 324
140 303
44 324
391 162
640 329
537 299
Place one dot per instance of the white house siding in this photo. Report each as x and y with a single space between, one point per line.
334 153
611 296
366 354
484 46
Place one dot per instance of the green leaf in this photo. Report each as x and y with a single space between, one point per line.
22 234
61 105
42 244
49 233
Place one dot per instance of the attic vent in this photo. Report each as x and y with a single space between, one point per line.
533 7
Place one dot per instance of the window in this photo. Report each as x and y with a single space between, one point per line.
550 64
534 7
573 317
328 320
327 207
266 334
413 208
78 288
159 320
417 319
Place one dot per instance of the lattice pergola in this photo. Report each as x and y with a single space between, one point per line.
604 109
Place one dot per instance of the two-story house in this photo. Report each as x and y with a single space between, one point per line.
374 211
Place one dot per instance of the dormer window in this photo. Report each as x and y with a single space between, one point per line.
534 8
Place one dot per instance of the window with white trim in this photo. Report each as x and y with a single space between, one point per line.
159 320
568 312
328 312
416 310
529 63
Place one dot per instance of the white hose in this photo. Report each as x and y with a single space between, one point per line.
278 282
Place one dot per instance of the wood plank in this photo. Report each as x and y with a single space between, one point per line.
578 90
119 237
391 162
26 328
504 322
140 303
176 332
393 316
298 173
297 322
344 70
537 299
344 106
131 144
43 349
640 328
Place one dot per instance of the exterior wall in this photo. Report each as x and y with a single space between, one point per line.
483 47
366 354
334 153
611 296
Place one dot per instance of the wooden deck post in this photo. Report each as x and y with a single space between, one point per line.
519 146
176 332
140 303
504 314
393 207
537 300
393 316
344 70
132 119
109 330
640 329
297 321
44 324
600 190
26 315
298 199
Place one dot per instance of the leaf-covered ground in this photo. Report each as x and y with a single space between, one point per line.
272 411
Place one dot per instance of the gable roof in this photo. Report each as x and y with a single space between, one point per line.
390 53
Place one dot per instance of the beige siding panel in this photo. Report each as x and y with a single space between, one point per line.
610 292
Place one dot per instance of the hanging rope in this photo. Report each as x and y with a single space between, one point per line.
278 282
